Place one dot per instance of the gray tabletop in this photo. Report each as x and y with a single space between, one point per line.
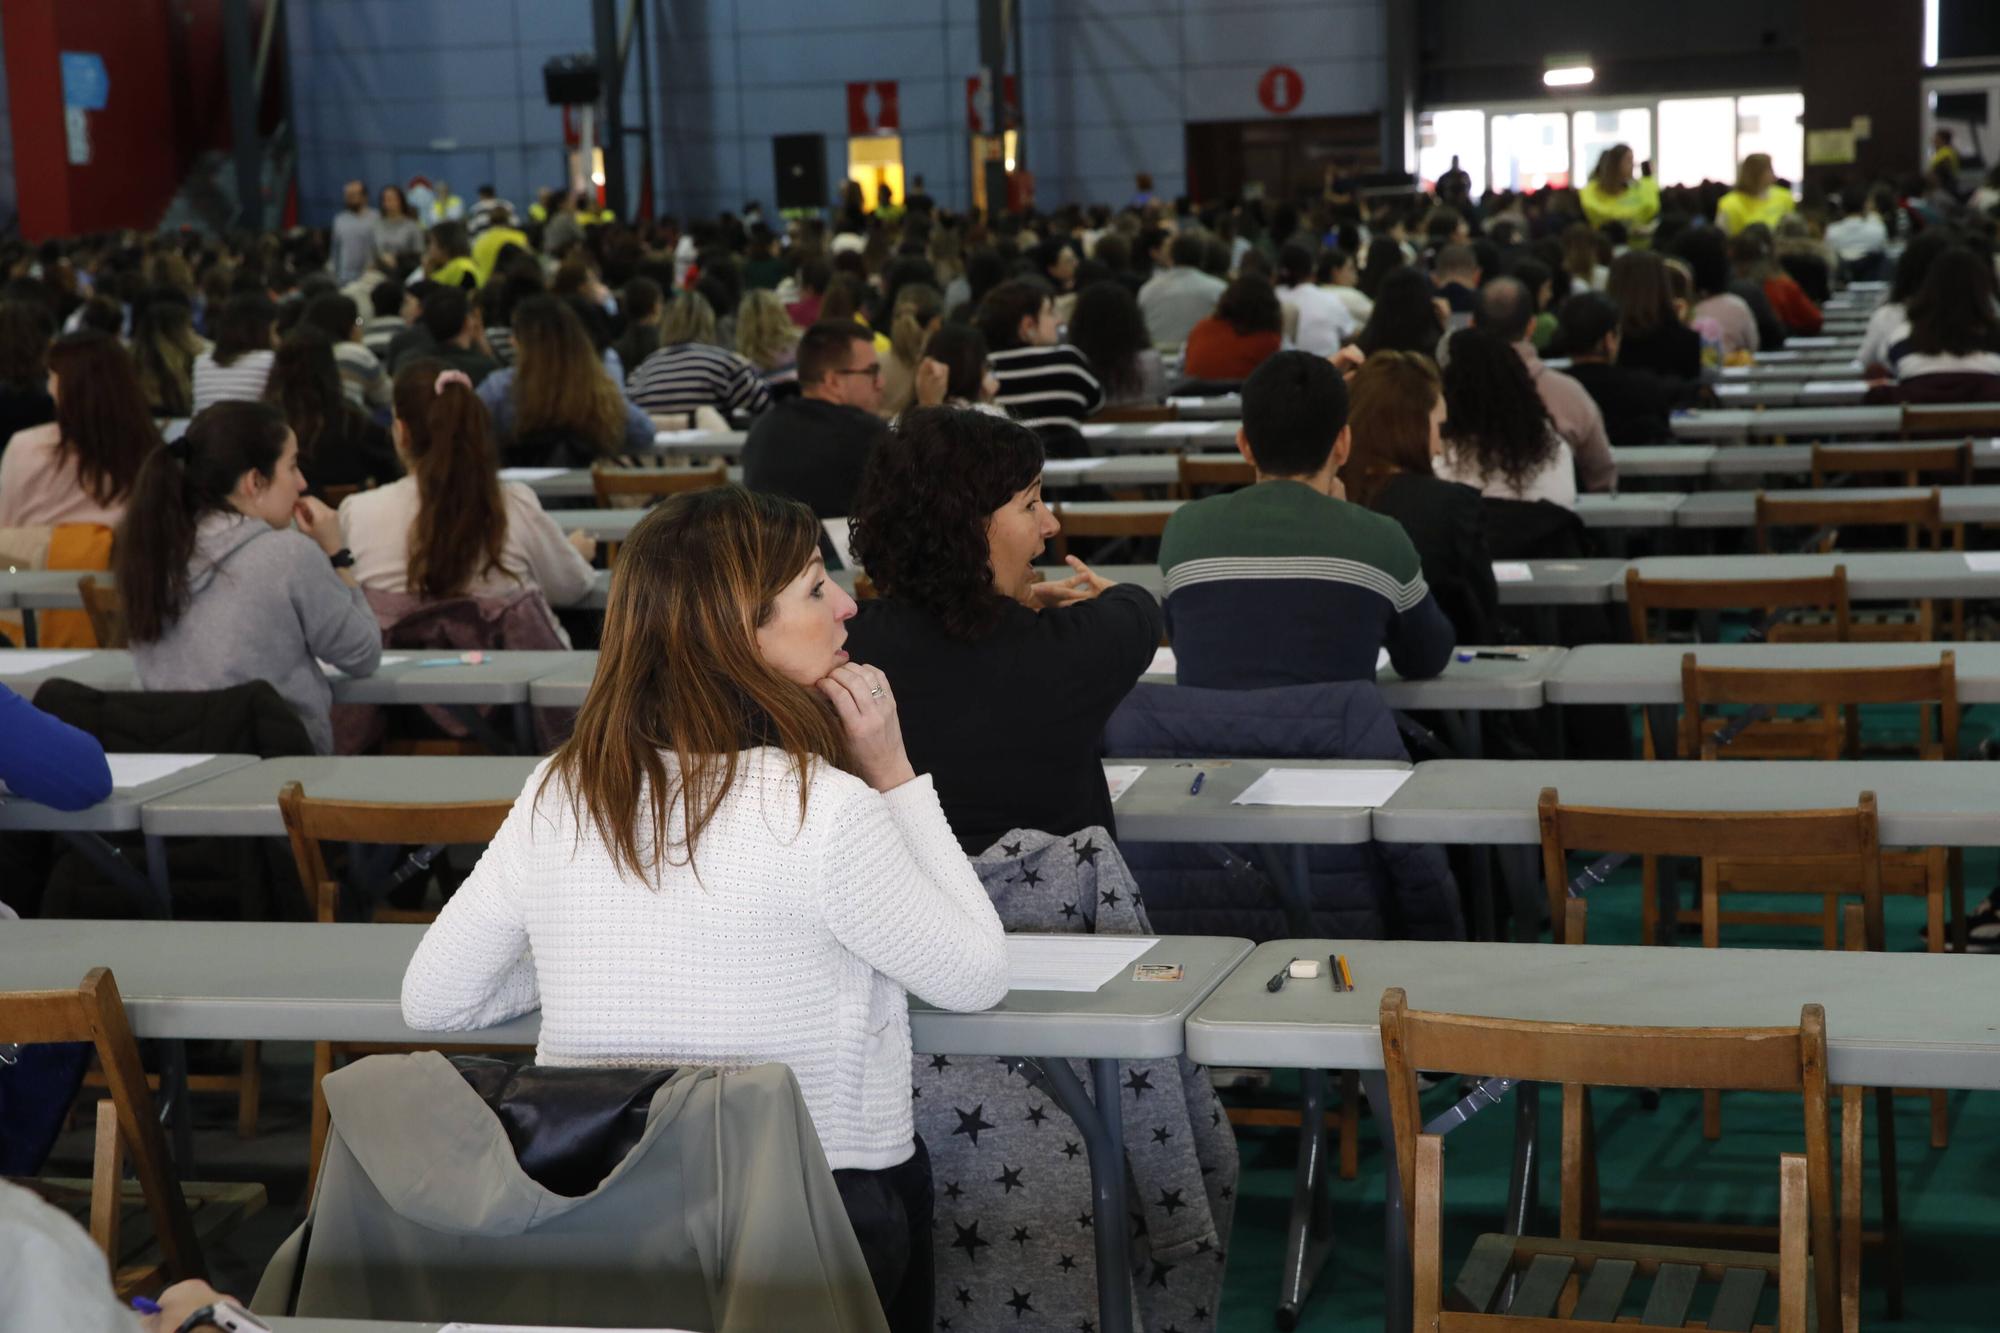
1631 509
1892 1019
1650 673
1737 462
1738 509
1950 803
1159 806
572 483
1743 423
286 1325
1797 371
1664 460
99 668
727 442
244 804
1871 576
122 812
325 982
43 589
498 678
1843 392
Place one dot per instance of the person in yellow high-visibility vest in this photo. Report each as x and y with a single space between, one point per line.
1613 195
1757 197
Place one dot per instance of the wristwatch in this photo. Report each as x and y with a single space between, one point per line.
341 559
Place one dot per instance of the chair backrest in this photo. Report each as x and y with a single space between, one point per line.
1139 412
1949 419
106 611
1828 687
95 1013
309 822
1222 470
655 482
1105 523
1828 592
1825 509
1848 834
1910 462
1579 1056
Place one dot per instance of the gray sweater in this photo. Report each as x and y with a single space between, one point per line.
263 603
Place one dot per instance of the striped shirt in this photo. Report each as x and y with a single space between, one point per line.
242 379
684 376
501 340
1046 386
1277 584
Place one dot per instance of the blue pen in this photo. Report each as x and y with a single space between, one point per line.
144 1306
1194 789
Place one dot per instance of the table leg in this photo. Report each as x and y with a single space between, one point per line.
1103 1128
524 728
1395 1228
1308 1234
29 638
1523 1184
175 1109
110 862
156 874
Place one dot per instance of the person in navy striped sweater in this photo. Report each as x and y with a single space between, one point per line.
1285 582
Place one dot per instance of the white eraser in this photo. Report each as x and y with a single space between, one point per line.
1305 969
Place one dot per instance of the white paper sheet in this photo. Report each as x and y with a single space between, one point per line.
21 661
1173 428
1983 562
1093 430
1120 776
1834 386
680 436
1817 340
1071 962
1163 663
136 770
1513 571
530 473
388 659
1072 467
1342 788
1734 390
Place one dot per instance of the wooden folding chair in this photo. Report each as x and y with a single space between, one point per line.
1943 420
1139 412
1839 843
646 485
128 1126
1573 1281
106 611
1894 464
1921 517
1087 523
1934 874
308 823
1826 593
1198 474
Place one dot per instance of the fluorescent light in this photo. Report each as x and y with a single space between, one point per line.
1568 76
1930 34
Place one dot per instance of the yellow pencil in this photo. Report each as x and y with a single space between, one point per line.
1346 977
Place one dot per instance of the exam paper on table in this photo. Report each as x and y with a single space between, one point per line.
1983 562
1513 571
1093 430
388 659
20 661
136 770
1344 788
530 473
1070 467
1120 776
1071 962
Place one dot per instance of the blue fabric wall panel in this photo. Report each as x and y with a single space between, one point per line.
401 74
796 56
1076 42
1244 36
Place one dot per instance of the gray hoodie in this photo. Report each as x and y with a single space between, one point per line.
263 603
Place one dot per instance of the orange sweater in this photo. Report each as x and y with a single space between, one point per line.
1216 351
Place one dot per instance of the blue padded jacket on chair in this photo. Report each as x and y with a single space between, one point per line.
1369 891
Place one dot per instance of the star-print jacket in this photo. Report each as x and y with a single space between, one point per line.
1014 1209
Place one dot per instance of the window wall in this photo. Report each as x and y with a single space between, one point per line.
1689 139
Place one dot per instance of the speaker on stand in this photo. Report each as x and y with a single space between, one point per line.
799 162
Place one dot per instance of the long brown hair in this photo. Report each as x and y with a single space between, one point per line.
1642 290
559 381
1389 414
679 673
101 413
461 526
179 483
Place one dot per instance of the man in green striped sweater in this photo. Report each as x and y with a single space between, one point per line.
1285 582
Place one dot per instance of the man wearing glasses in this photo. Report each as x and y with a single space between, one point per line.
813 447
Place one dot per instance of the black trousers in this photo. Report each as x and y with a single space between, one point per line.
891 1213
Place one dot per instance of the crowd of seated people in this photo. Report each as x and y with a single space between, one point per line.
344 403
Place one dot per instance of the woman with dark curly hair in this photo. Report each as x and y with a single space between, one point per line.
1247 327
1498 438
1004 681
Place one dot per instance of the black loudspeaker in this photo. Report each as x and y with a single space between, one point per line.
570 80
800 163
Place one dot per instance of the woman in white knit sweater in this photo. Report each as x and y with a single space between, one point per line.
732 862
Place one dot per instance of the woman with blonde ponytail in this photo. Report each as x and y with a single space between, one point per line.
918 314
452 528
